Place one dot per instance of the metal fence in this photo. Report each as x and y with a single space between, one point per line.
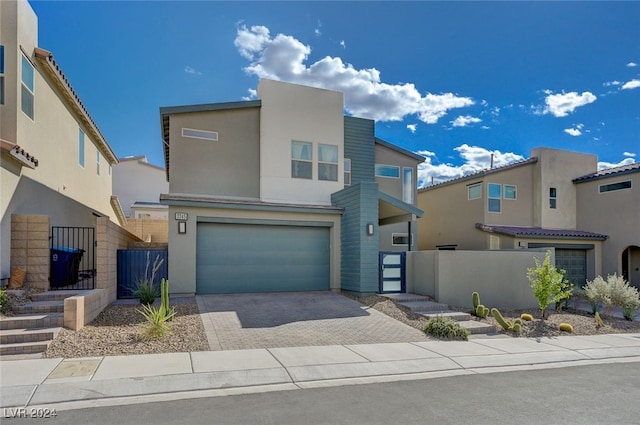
138 265
73 258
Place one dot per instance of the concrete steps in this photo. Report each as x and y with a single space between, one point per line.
425 306
34 325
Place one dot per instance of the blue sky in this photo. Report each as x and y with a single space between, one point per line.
454 81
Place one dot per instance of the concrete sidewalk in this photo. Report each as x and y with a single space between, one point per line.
87 382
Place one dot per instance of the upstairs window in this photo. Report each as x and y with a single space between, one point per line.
388 171
509 192
328 162
401 239
614 186
474 191
1 74
301 160
494 203
347 171
553 198
81 148
27 87
407 185
200 134
98 163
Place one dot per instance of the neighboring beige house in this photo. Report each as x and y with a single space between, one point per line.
283 193
54 162
530 204
609 202
138 185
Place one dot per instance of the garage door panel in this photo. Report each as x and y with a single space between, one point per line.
261 258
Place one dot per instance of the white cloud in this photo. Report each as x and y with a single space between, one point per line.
192 71
343 44
412 127
475 159
629 154
611 83
633 84
604 165
632 64
253 94
283 57
562 104
576 131
463 121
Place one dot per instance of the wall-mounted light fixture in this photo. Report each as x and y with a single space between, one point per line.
182 227
369 229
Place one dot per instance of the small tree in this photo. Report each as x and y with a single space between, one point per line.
548 283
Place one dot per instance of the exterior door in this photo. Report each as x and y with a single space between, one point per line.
392 272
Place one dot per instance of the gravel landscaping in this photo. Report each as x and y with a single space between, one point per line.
117 330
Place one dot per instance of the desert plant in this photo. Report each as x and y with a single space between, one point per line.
475 298
5 305
164 300
615 291
599 321
565 327
548 283
514 326
526 316
479 309
446 328
157 319
482 311
146 289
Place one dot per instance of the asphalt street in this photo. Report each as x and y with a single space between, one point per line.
596 394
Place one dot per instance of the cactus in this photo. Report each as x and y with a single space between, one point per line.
517 321
565 327
506 325
482 311
526 316
599 321
516 327
164 296
476 300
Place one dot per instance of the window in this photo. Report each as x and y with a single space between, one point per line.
98 163
509 192
401 239
200 134
347 171
81 148
494 195
389 171
614 186
474 191
328 162
553 197
1 75
407 185
27 91
301 160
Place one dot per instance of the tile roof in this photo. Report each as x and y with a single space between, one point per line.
24 157
609 172
482 173
539 232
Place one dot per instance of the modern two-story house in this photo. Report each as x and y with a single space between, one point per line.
549 200
283 193
55 162
138 184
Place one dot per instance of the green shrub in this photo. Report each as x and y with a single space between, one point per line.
548 283
614 292
5 306
157 319
446 328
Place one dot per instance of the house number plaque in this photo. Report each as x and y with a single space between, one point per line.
182 216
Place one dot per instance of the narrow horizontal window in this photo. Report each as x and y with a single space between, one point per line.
401 239
615 186
389 171
200 134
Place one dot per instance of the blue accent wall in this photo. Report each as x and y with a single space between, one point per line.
359 258
359 146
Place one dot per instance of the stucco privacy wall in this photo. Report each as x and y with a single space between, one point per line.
182 268
451 276
143 228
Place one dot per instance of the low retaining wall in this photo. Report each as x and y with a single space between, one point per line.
500 277
83 308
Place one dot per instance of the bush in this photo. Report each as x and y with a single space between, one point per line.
614 292
5 306
548 283
445 328
157 319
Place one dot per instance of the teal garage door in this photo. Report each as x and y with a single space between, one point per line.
234 258
574 263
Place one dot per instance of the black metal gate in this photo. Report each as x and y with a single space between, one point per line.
73 258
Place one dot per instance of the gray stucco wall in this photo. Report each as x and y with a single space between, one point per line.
359 255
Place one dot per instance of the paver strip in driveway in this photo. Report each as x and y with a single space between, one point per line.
296 319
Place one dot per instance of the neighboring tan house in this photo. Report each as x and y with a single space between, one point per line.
281 194
609 202
138 185
54 162
530 204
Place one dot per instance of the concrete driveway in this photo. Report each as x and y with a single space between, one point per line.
296 319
